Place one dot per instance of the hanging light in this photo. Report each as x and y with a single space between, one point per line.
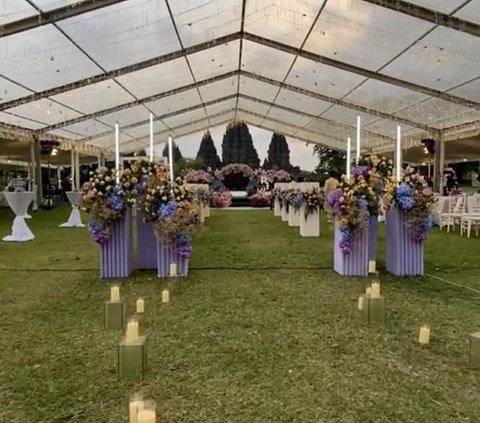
54 152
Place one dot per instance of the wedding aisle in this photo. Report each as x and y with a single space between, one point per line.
261 331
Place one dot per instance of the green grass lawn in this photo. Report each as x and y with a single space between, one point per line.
261 331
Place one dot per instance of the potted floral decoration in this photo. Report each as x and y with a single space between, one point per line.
198 177
105 201
313 201
412 196
352 202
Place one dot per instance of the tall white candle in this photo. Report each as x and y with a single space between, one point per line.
349 156
134 407
398 164
151 137
117 153
165 296
173 269
170 157
375 290
72 160
115 294
358 139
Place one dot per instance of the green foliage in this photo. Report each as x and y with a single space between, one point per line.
330 160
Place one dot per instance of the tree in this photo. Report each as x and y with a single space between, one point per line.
237 145
207 153
330 160
176 153
278 152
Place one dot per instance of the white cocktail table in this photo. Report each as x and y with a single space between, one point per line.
74 221
19 202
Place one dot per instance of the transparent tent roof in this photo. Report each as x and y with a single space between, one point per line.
305 68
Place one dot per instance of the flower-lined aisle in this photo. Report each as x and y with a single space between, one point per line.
409 204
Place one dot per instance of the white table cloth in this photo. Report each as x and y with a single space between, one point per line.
19 202
74 221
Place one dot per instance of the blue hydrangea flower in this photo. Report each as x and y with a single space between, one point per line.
167 210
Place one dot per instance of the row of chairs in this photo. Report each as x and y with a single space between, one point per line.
464 211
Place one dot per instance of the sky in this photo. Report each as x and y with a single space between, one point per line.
300 154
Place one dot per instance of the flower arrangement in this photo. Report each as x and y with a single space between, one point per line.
276 175
260 199
352 201
198 177
203 196
313 201
221 199
380 165
105 202
235 176
412 196
174 215
294 198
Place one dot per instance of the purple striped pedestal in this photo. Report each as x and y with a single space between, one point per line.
165 257
404 255
355 263
146 244
116 253
372 241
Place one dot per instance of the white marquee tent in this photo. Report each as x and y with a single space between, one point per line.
305 68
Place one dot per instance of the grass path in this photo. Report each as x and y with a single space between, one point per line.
237 344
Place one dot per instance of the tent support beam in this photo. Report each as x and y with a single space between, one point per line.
54 15
435 17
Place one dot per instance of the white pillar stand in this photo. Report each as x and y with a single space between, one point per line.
202 211
310 225
19 202
277 209
74 221
206 210
284 212
293 217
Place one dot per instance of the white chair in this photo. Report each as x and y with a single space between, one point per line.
471 219
456 210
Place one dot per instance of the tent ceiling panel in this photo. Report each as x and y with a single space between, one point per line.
108 140
442 60
253 106
321 78
126 117
47 5
66 134
184 118
198 21
124 33
144 130
217 120
219 89
14 10
387 128
471 90
287 117
89 128
91 98
215 61
284 21
379 95
461 119
347 116
19 121
43 58
301 102
445 6
156 79
46 111
470 12
322 127
253 120
368 38
175 102
433 110
10 91
254 88
266 61
220 107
